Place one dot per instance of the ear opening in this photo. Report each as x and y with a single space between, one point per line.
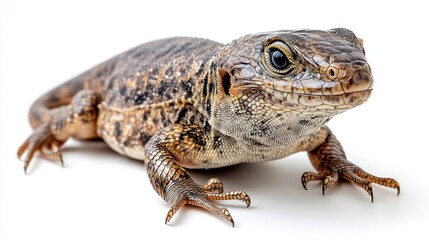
225 80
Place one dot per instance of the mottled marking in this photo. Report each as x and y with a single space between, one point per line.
123 90
205 83
188 87
206 126
145 137
217 141
304 122
138 98
180 116
118 131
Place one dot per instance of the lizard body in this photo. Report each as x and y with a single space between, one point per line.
193 103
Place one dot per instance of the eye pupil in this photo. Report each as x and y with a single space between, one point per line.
278 59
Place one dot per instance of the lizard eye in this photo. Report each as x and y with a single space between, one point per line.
278 58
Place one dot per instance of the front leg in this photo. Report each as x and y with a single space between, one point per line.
182 143
331 163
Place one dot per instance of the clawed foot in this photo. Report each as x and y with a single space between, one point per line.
187 192
42 141
351 173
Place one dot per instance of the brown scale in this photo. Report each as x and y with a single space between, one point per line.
193 103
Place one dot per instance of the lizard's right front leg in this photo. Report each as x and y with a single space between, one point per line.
172 182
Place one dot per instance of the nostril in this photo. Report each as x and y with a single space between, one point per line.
331 73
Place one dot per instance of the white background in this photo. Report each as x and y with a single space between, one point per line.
101 195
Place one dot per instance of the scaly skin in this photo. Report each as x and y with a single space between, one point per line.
192 103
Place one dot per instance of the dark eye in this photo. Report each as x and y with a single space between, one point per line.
278 59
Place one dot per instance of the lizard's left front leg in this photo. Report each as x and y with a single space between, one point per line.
331 163
184 144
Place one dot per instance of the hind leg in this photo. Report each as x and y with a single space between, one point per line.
78 120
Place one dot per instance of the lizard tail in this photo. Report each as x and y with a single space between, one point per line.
40 111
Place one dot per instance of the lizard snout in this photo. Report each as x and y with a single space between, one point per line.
361 80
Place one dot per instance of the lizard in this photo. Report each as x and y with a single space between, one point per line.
182 103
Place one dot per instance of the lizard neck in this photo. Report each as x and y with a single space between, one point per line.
204 96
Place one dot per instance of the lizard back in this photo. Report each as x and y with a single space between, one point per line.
158 71
147 86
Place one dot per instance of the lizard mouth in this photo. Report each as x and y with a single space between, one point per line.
317 101
311 94
340 101
311 102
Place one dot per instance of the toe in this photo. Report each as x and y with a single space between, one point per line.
387 182
214 185
22 149
174 209
234 195
353 178
51 151
203 202
308 177
188 192
227 216
328 182
43 142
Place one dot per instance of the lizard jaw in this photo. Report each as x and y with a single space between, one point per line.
311 103
302 103
329 102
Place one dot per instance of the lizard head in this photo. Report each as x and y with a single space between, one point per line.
306 76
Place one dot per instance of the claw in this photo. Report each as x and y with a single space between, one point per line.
308 177
29 151
305 178
174 209
228 216
52 151
330 160
355 179
354 175
387 182
43 142
328 182
188 192
25 168
371 193
22 149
